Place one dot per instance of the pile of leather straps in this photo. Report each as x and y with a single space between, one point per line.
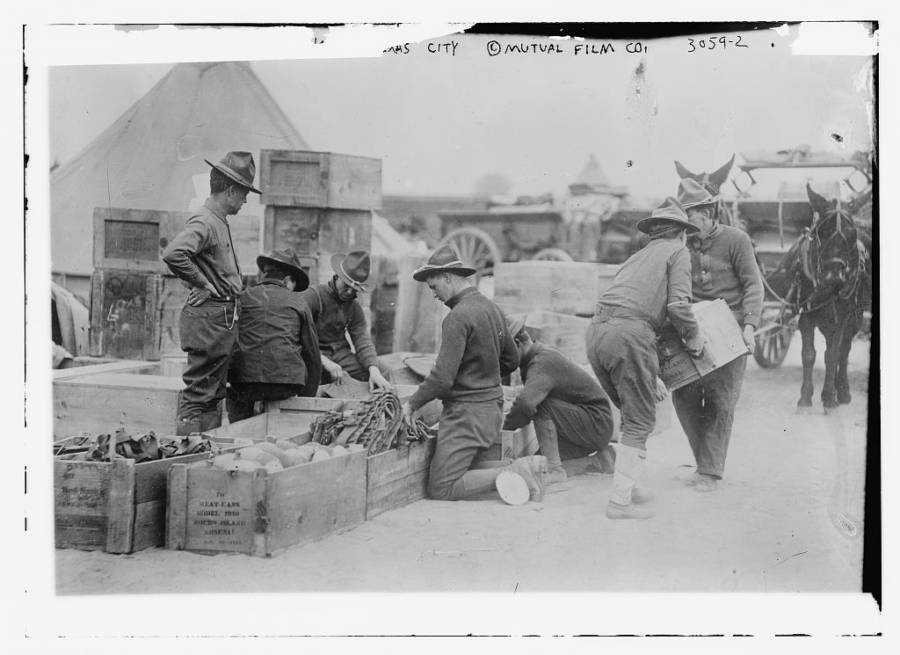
141 448
378 425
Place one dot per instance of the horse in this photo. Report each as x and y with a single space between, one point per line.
825 278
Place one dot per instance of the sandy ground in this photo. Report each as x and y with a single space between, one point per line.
788 517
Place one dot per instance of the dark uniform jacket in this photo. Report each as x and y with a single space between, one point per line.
203 251
476 350
276 339
548 374
333 320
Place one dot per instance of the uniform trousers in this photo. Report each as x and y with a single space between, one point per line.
622 352
705 409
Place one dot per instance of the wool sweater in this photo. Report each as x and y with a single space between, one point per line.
548 374
335 319
723 266
476 350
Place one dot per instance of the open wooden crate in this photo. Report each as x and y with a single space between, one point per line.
116 506
261 513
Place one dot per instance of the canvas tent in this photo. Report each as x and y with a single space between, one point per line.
152 156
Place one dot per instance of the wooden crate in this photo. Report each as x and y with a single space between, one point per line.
259 513
397 477
96 403
116 506
561 331
286 425
724 343
562 287
316 234
124 313
297 178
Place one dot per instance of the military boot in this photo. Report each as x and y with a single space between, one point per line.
533 470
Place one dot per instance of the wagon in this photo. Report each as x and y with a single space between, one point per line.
776 220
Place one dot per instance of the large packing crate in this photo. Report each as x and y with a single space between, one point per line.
116 506
724 343
97 403
562 287
262 513
298 178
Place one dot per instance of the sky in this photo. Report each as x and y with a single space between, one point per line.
440 119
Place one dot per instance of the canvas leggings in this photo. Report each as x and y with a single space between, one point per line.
208 342
465 431
705 409
622 352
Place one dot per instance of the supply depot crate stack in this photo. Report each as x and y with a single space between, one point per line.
318 204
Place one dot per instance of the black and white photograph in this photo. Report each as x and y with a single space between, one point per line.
517 312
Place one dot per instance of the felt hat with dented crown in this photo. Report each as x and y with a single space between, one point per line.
443 260
668 214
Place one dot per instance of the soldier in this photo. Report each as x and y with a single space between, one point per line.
202 255
338 314
571 413
476 350
723 266
277 353
651 287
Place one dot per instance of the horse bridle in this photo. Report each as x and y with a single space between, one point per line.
840 216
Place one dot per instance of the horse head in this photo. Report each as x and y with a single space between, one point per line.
712 182
836 255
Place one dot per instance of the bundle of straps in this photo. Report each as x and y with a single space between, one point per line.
140 448
378 425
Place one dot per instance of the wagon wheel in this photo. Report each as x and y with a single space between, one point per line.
553 255
476 248
771 346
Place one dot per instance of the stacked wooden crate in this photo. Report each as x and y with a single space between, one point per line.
318 204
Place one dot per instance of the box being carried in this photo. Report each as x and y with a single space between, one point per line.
724 343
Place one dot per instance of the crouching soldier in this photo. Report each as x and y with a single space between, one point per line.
651 287
571 413
476 350
277 355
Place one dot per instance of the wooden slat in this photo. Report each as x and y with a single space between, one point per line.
176 507
81 492
220 511
149 525
120 506
311 501
397 477
121 366
95 404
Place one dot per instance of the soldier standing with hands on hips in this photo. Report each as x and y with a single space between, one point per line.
202 255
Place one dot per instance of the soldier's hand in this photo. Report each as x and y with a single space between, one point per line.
334 370
661 391
199 295
748 336
377 381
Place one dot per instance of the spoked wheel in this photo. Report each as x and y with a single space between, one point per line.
771 345
552 255
476 248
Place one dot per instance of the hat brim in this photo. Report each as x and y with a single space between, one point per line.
423 273
299 273
233 176
700 203
336 261
646 224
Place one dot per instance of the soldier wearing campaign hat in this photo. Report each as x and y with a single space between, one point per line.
652 287
202 255
277 354
476 351
338 315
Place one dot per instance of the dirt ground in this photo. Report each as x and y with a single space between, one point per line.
788 517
